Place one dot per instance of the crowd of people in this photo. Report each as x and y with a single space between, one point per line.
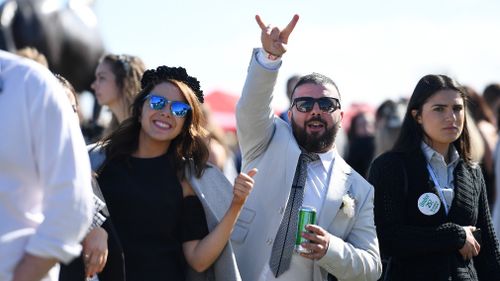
160 195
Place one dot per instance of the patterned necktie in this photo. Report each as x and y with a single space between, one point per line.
284 242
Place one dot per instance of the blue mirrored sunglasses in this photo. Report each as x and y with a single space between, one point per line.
178 108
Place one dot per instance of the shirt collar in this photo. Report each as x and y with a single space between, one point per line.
430 154
327 158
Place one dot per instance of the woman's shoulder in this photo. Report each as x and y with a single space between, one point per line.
211 176
96 155
383 164
392 163
472 167
389 158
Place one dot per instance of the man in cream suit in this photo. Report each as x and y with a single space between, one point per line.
343 244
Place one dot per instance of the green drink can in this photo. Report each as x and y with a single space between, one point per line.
307 215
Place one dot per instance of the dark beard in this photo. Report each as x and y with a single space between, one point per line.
315 142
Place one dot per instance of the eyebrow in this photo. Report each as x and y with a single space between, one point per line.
439 104
101 73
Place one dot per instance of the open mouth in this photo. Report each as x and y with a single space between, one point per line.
315 126
162 125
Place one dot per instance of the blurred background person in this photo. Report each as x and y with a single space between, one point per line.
496 206
220 154
290 85
94 257
361 142
34 54
72 95
388 120
219 111
484 119
117 81
491 95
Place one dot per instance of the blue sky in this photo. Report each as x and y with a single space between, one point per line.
373 50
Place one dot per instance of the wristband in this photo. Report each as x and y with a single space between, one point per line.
270 56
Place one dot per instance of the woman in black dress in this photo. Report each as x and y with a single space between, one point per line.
431 208
159 219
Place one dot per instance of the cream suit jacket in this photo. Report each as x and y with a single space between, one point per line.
267 143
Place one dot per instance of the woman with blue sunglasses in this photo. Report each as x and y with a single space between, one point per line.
168 205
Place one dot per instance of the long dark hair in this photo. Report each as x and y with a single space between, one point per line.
188 145
412 133
128 70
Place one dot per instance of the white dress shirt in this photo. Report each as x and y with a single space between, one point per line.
45 184
443 171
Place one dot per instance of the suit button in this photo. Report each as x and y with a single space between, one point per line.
269 241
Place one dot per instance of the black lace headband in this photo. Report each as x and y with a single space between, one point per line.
162 73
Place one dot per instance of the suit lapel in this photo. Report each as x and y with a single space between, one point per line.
337 187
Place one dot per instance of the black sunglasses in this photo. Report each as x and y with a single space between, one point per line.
326 104
178 108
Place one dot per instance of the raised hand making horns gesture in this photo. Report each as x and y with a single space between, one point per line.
273 39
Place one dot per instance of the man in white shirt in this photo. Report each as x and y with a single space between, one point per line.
344 244
45 184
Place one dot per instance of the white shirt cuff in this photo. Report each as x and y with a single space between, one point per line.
267 63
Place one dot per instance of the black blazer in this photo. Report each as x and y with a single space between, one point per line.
427 247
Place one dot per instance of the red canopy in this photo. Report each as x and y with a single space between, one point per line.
223 107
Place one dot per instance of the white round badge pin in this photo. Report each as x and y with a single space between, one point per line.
429 204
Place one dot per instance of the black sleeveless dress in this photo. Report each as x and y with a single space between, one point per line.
151 217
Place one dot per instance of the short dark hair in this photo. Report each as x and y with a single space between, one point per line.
491 93
290 85
316 79
412 133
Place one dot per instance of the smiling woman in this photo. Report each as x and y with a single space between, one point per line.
152 177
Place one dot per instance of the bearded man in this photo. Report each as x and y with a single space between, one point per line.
299 166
